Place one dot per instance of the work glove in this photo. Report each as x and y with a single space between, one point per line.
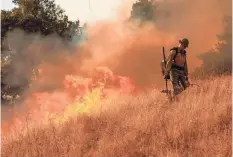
166 76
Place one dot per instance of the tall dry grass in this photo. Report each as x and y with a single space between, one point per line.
199 125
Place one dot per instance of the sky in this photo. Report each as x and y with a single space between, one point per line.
6 4
85 10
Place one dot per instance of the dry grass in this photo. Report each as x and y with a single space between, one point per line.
199 125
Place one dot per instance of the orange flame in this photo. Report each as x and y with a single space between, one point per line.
79 95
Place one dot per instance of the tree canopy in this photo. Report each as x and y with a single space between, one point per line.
219 59
143 11
43 17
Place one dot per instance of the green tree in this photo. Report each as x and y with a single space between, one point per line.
42 16
31 16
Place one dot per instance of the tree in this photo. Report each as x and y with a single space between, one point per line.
143 11
42 16
31 16
219 60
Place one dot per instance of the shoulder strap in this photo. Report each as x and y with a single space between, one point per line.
184 53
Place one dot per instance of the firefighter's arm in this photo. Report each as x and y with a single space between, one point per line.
169 62
186 74
186 69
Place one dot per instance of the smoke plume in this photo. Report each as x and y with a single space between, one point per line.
119 45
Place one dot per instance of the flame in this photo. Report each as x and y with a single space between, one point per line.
79 96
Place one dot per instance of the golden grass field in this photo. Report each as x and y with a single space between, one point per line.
199 125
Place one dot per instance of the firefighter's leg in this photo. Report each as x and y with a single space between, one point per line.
175 82
184 82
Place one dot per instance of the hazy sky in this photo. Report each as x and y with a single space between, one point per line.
6 4
96 10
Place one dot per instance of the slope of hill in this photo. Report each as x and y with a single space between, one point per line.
200 124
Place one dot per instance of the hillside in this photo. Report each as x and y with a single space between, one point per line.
200 124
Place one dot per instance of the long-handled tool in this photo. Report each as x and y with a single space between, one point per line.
192 84
163 64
